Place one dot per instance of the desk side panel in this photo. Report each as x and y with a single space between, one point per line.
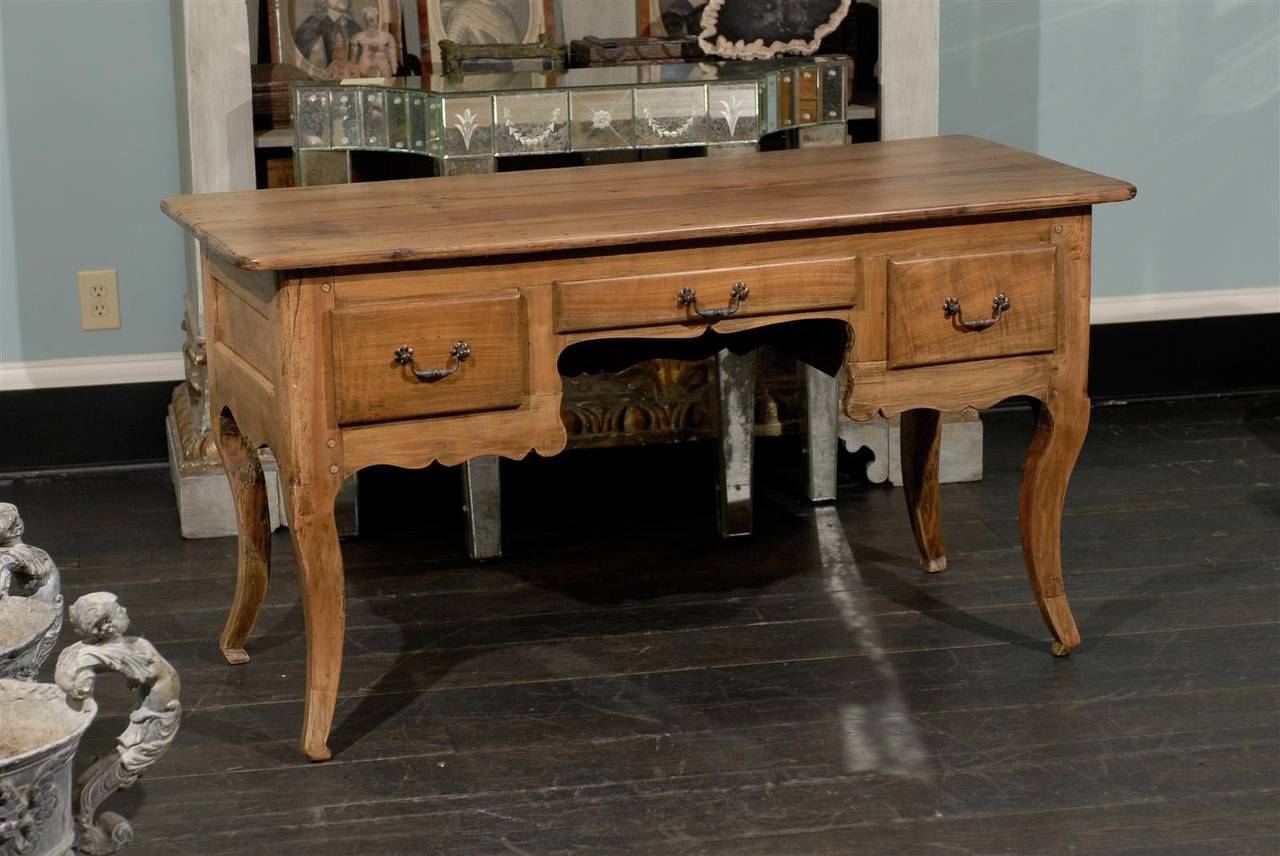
240 346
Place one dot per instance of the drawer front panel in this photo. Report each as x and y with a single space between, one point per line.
920 332
654 299
373 387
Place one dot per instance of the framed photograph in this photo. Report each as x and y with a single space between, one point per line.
481 22
669 18
337 39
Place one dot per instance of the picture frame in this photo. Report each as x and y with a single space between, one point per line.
481 22
337 39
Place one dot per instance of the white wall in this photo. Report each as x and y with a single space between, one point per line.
1181 98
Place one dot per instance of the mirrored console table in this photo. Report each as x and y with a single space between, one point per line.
501 114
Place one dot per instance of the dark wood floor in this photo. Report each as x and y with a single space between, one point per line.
624 682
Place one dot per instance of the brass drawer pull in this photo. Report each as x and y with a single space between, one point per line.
738 293
457 355
999 306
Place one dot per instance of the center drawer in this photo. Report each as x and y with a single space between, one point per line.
374 371
678 297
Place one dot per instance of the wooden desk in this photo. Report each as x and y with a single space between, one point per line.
324 301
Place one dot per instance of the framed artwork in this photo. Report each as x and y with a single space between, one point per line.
669 18
481 22
337 39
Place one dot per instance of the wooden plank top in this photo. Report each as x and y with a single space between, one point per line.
633 203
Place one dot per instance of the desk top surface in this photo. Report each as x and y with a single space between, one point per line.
613 205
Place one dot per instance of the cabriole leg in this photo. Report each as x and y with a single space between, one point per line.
1061 424
320 579
921 447
253 562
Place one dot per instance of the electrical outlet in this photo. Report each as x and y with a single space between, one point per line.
99 300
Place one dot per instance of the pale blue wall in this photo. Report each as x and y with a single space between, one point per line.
10 331
88 131
1181 97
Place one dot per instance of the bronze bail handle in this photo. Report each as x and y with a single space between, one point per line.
737 293
458 354
999 306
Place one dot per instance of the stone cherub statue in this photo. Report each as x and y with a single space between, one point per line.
101 621
27 572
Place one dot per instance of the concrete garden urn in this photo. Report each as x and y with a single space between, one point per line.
42 813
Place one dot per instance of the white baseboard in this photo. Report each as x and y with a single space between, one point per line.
145 368
91 371
1178 305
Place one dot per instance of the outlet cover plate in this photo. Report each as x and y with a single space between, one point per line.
99 300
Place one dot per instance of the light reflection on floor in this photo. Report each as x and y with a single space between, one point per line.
878 734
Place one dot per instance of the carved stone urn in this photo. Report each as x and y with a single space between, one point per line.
30 601
41 812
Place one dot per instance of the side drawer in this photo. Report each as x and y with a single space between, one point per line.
654 299
371 386
922 332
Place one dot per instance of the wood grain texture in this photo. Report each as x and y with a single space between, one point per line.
1061 423
960 209
468 276
870 320
620 204
371 386
651 299
875 389
246 392
309 451
920 333
921 449
258 288
253 562
413 443
242 326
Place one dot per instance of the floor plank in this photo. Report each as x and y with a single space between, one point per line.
623 684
